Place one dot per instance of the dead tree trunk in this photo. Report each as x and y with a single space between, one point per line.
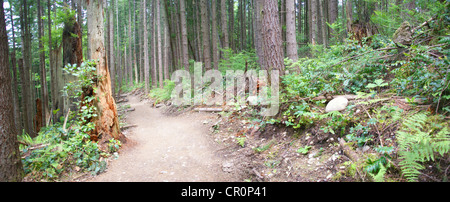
108 122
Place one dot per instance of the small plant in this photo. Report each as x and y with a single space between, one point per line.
241 141
420 139
304 150
114 145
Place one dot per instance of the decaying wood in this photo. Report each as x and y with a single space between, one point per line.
209 109
29 150
121 101
128 126
347 150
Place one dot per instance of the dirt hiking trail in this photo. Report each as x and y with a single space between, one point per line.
164 148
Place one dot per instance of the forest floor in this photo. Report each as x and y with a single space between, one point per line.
170 144
164 148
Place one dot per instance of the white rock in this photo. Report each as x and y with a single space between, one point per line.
337 104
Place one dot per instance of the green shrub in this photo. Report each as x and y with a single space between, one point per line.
163 94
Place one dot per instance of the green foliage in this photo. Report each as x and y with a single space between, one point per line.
59 149
241 141
420 138
59 152
304 150
164 94
238 61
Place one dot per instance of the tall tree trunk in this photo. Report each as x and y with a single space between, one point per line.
332 15
129 56
273 50
25 73
136 76
146 62
291 36
158 33
206 33
10 162
112 60
15 86
323 14
349 15
165 15
231 21
184 39
215 36
314 22
259 37
44 90
108 122
154 48
223 11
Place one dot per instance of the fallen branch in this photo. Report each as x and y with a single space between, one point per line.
121 100
29 150
209 109
128 126
65 121
353 57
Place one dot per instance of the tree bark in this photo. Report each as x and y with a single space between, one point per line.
314 22
44 91
158 33
146 60
25 72
184 39
107 123
15 86
223 9
273 50
291 36
206 33
112 60
10 163
215 36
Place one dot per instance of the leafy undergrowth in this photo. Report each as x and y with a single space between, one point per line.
65 150
395 127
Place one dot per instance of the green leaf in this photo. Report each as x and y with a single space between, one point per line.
304 150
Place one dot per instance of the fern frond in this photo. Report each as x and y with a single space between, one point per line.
418 144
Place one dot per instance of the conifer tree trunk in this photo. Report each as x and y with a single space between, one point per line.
291 36
206 33
158 33
44 91
184 39
10 162
111 63
146 62
223 10
273 50
215 36
107 123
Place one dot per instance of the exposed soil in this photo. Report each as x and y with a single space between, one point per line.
166 148
172 144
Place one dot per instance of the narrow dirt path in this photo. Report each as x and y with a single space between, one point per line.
166 149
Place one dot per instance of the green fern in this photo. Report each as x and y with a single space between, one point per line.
418 143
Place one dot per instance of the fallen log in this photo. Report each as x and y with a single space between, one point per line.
121 100
209 109
128 126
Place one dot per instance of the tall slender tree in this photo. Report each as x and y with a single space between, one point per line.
184 35
10 163
146 59
291 36
205 34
